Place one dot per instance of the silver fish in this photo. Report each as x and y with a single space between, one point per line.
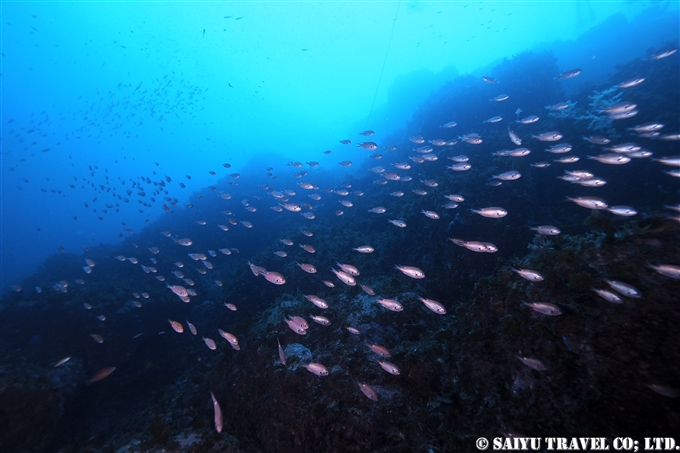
181 291
295 327
589 202
624 289
529 274
61 362
533 363
625 148
389 367
473 139
546 229
316 368
176 326
293 207
558 106
348 268
391 304
309 268
619 108
673 161
368 391
568 160
300 321
461 166
316 300
551 136
611 159
218 413
624 211
370 146
353 330
622 116
430 214
514 138
307 248
320 320
274 277
210 343
662 54
631 82
529 119
664 390
646 127
597 140
668 270
508 175
433 305
608 296
593 182
380 350
545 308
518 152
559 148
491 212
344 277
410 271
231 338
456 198
398 222
282 355
474 246
569 74
368 290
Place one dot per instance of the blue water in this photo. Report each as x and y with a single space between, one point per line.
130 89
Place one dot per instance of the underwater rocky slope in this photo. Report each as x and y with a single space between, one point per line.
597 369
